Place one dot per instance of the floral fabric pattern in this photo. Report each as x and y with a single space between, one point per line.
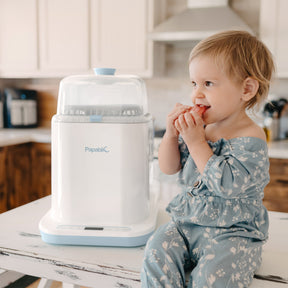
219 223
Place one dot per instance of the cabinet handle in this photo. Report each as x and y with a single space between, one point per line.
282 181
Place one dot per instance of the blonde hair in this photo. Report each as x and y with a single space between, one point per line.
241 55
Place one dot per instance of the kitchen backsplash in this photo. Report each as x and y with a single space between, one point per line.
163 94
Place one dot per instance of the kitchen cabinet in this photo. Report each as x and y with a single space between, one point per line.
276 192
273 32
119 35
64 35
61 37
18 168
3 188
25 174
18 37
41 170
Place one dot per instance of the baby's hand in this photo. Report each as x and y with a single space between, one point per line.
190 124
198 109
179 109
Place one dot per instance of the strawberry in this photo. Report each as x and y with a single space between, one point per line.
199 109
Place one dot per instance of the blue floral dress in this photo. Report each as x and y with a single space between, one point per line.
218 221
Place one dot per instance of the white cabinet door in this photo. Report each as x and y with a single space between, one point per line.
64 36
274 32
18 37
119 35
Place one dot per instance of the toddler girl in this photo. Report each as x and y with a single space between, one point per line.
219 223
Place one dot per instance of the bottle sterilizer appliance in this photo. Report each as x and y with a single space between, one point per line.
102 150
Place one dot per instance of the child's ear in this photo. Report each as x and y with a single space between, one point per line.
250 88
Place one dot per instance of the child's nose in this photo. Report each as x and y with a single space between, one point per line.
197 93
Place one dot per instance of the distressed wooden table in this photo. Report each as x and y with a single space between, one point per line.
22 250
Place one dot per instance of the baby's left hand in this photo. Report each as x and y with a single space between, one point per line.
191 126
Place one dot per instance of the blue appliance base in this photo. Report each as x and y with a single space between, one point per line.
95 240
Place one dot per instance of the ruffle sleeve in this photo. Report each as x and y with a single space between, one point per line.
183 149
241 170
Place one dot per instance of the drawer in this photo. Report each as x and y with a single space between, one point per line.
276 192
277 205
279 167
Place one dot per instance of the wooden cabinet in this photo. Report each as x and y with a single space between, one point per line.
3 188
276 192
18 168
25 174
55 38
273 32
41 170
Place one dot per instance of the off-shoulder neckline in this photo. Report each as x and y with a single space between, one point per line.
238 139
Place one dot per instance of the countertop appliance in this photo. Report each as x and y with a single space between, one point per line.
20 108
102 149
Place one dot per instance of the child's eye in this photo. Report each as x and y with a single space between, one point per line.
193 84
208 83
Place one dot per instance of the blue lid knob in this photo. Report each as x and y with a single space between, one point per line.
104 71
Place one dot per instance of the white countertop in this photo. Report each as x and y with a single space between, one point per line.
22 250
20 136
277 149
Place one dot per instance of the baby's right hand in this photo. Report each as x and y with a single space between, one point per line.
178 109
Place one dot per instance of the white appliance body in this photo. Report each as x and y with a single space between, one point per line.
100 184
100 173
